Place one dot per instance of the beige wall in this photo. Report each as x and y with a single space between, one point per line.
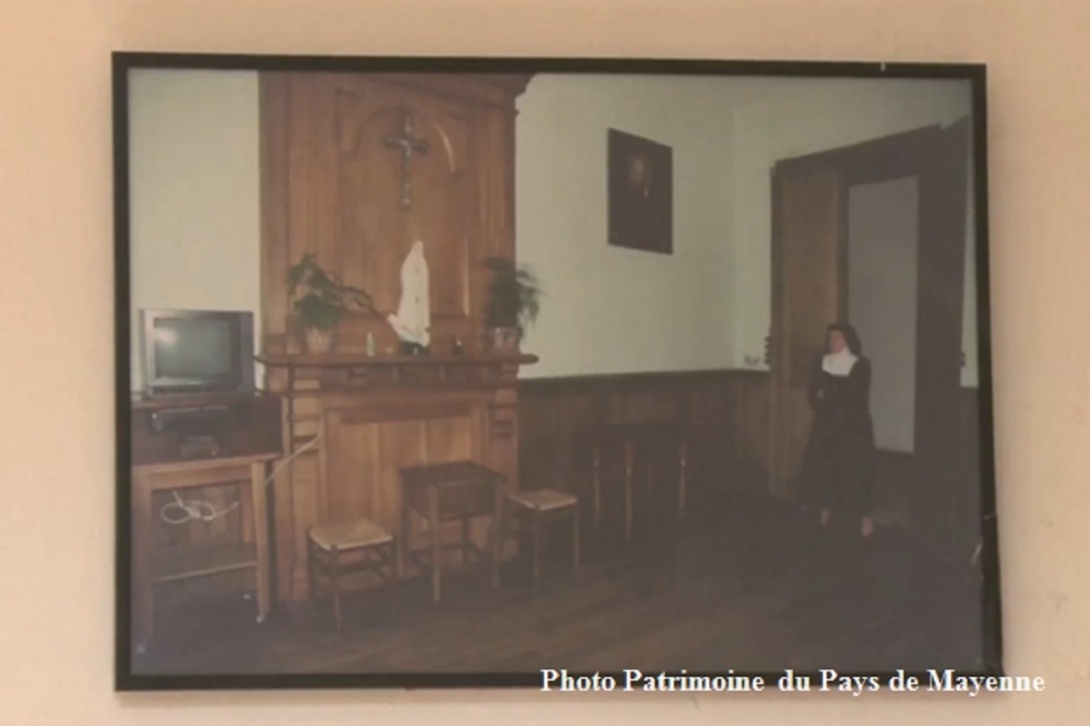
57 442
610 309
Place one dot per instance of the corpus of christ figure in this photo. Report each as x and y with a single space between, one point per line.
408 144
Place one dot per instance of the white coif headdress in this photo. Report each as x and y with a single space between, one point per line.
839 364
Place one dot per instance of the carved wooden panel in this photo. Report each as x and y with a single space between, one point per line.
373 232
336 179
365 456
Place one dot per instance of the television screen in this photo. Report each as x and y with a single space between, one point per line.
192 351
188 348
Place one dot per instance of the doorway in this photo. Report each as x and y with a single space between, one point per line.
875 234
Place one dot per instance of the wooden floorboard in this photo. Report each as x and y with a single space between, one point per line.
748 585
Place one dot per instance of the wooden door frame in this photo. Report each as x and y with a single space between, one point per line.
783 484
904 154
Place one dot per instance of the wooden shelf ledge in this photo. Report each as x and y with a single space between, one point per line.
356 360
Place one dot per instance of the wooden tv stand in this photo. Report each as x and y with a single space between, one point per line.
170 453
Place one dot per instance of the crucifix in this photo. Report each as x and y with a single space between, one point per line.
407 143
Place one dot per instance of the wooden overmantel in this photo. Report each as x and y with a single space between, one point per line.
356 168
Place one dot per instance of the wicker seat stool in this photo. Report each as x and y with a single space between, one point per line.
533 508
337 549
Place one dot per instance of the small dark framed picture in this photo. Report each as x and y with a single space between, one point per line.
641 193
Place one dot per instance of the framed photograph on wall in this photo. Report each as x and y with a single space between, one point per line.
641 201
765 452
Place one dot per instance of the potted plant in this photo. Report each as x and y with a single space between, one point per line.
514 296
319 299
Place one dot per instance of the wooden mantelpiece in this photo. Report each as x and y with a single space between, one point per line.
356 420
346 374
440 363
341 360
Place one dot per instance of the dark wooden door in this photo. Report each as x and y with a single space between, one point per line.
809 290
938 511
808 256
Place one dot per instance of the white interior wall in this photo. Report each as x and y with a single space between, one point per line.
608 309
194 195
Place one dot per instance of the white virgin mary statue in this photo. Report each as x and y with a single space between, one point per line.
413 317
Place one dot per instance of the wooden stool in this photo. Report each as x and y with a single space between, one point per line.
329 543
538 504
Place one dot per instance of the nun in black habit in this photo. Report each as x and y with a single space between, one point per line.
839 464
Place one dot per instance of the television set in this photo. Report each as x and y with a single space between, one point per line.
197 351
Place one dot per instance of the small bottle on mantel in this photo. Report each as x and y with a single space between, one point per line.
458 348
370 344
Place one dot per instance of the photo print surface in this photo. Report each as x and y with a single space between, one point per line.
467 373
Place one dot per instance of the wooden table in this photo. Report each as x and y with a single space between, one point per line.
645 438
451 491
151 568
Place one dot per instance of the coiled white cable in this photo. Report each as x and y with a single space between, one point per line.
192 510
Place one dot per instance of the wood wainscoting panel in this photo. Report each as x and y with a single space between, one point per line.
726 412
750 420
642 404
551 417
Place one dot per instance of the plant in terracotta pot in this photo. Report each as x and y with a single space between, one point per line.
319 300
514 298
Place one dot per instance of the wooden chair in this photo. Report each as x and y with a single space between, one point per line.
533 508
337 549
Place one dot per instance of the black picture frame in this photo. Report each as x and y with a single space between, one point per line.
128 676
641 193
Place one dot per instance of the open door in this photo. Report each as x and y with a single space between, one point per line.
939 514
809 290
809 232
